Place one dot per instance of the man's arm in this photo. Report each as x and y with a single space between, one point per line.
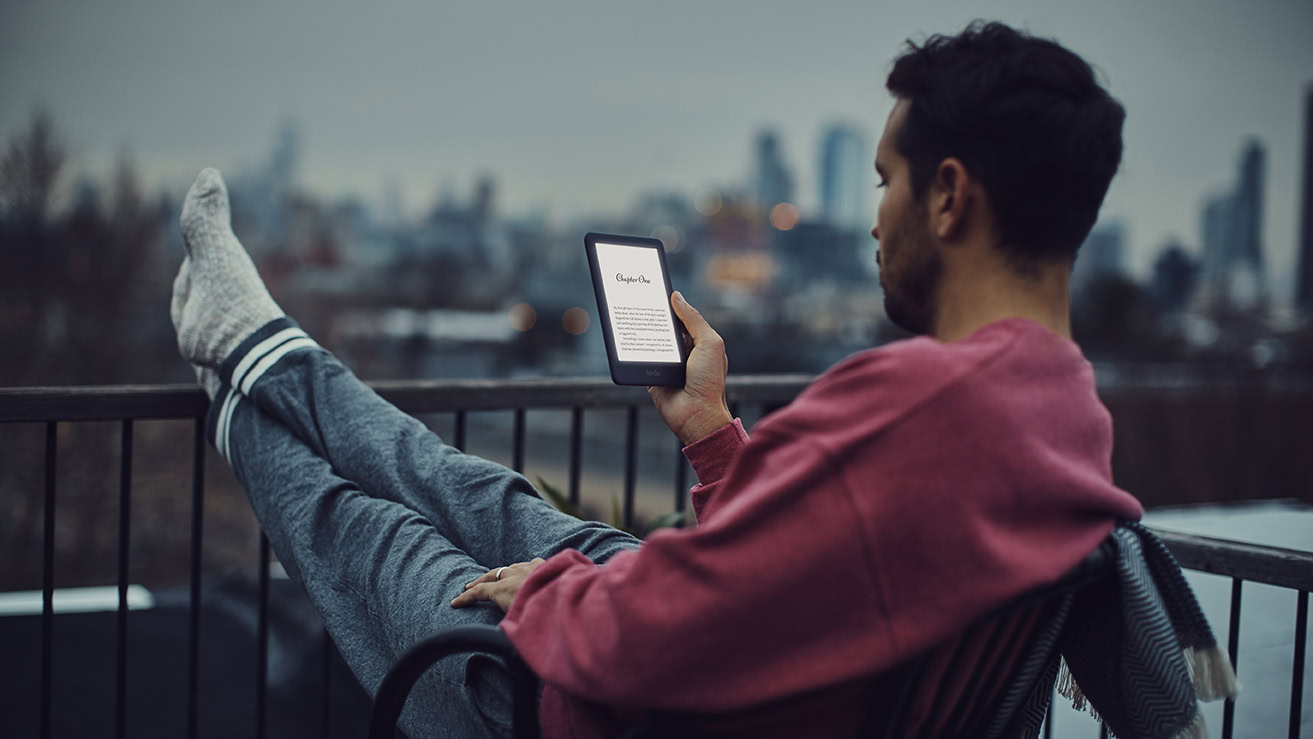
775 587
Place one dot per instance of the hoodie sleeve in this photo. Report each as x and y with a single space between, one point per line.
711 458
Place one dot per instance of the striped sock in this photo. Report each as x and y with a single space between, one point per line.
260 351
219 419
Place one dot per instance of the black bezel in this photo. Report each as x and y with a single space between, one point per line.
635 373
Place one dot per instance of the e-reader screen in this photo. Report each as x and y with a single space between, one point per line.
637 303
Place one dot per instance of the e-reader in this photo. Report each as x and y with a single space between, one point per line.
644 339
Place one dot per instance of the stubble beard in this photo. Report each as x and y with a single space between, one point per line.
910 304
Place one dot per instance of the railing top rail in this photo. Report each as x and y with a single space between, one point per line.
111 402
101 402
1258 563
1287 568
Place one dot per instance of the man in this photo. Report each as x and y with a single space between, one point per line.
909 490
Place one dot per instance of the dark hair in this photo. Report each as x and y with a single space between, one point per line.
1026 117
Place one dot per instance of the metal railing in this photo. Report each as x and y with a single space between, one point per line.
127 404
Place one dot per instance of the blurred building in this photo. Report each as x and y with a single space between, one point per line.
1174 276
468 231
818 251
261 198
1101 256
394 212
1233 272
845 169
1304 277
772 180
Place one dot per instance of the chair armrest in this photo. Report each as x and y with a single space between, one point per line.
415 661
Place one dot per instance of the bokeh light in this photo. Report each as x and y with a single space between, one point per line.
709 202
671 236
522 317
784 216
575 321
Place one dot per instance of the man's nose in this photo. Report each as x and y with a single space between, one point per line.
875 231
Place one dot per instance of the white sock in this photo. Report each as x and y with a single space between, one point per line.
218 297
208 379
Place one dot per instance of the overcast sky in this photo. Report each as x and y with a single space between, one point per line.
577 107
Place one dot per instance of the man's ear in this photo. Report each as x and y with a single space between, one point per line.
949 199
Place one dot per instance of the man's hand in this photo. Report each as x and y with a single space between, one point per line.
698 408
498 585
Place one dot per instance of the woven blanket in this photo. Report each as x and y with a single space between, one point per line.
1135 649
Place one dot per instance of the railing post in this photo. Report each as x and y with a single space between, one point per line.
517 443
576 448
459 434
631 465
1233 650
328 683
48 579
262 639
197 528
1297 667
125 517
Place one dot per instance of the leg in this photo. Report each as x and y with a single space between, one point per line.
379 573
481 506
229 327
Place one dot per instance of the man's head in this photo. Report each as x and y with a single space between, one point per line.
997 137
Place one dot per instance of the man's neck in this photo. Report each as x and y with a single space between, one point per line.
971 299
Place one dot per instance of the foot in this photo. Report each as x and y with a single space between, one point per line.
218 297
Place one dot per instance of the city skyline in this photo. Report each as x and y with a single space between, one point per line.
403 100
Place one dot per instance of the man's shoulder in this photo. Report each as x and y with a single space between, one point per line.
904 368
876 387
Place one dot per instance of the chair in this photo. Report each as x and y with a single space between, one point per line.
1012 645
411 665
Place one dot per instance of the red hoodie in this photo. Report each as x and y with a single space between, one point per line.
909 490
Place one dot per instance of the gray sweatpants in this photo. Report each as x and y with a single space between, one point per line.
382 522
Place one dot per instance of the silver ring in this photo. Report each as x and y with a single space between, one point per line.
499 571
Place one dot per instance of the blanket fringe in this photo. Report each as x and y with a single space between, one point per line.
1067 688
1211 671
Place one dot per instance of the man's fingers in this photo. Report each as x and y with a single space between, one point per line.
489 576
698 328
473 594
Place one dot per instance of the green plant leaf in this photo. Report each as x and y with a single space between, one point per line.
666 521
617 518
559 499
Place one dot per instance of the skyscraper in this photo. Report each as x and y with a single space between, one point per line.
845 169
774 183
1249 211
1304 277
285 159
1233 270
261 198
1218 229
